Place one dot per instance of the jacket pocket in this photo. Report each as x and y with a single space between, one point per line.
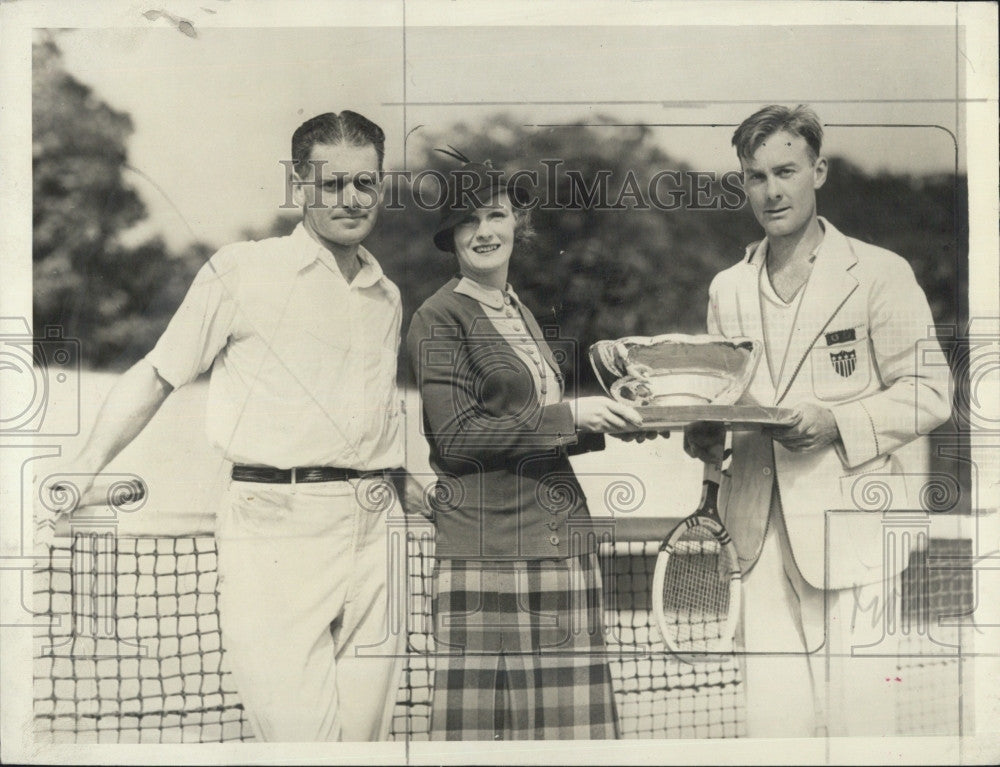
841 371
877 486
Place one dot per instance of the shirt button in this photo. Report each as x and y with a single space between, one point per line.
544 390
532 351
509 312
518 329
554 540
767 471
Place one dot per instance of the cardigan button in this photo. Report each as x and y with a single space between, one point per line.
554 540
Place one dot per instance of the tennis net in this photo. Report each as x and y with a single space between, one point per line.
132 652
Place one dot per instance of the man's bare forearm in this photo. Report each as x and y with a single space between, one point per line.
130 405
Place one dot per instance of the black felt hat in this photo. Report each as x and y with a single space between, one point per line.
473 186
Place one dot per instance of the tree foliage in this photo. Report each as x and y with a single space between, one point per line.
596 273
645 270
115 299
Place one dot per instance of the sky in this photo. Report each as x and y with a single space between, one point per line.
213 114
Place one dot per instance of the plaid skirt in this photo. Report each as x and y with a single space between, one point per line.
519 651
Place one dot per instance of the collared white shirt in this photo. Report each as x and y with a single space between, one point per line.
303 363
506 317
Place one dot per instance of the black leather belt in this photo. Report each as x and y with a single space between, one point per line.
242 473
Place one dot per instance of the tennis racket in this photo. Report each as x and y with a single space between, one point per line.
697 581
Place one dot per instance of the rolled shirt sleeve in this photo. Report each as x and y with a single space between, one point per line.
201 327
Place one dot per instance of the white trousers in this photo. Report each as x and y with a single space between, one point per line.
817 662
304 610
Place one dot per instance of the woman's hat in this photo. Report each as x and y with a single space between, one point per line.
473 186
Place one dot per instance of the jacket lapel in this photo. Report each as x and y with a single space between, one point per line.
543 346
746 298
828 287
748 293
484 325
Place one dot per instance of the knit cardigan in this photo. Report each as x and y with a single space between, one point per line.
505 487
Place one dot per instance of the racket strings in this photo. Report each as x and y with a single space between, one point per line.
696 593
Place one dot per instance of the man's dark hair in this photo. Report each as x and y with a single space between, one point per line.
758 127
335 128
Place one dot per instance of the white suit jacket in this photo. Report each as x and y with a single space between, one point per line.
862 346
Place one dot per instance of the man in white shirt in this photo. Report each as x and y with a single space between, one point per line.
849 346
301 333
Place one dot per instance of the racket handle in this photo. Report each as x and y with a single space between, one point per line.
713 473
710 488
727 453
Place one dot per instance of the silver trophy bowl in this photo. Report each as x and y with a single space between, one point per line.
675 370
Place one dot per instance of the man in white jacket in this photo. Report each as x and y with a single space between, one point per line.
849 346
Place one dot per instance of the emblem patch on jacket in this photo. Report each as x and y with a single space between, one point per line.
844 362
841 336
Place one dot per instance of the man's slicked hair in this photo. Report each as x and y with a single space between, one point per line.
335 128
758 127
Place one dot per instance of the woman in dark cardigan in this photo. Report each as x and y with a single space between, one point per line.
517 590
